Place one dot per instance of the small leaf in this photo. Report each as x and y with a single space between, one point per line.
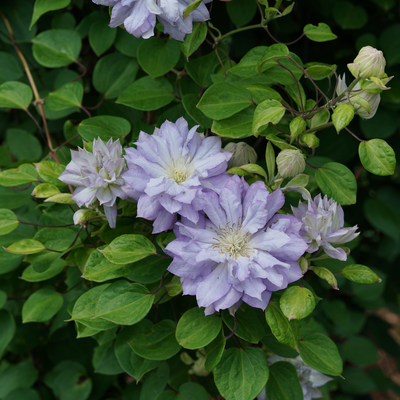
342 116
297 125
127 249
69 95
195 330
104 127
25 173
319 72
360 274
283 383
49 171
320 118
191 7
297 302
269 111
101 37
271 55
238 126
254 169
41 306
214 351
61 198
326 275
320 353
174 287
193 40
320 33
8 329
25 246
15 95
45 190
8 221
44 6
377 157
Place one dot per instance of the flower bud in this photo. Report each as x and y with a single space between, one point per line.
83 215
242 154
290 163
369 62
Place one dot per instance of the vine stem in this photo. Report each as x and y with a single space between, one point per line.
39 101
244 28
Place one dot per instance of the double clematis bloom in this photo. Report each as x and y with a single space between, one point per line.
323 222
98 176
139 16
242 252
169 170
309 378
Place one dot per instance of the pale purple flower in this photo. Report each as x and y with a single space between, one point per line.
170 169
309 378
139 16
242 252
323 222
98 176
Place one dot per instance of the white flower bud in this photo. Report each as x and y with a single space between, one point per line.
290 163
83 215
242 154
369 62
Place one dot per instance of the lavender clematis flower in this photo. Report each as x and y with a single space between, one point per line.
323 222
98 176
242 253
139 16
170 169
309 378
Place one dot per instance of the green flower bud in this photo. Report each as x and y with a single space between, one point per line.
369 62
83 215
290 163
242 154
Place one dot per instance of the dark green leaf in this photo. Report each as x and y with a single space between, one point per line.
238 126
8 221
320 33
15 95
41 306
193 40
44 6
69 95
214 351
377 157
269 111
7 330
101 37
49 171
190 102
104 127
17 376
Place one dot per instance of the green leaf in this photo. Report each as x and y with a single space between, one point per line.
241 373
104 360
113 73
338 182
149 270
30 275
32 149
241 13
193 40
326 275
270 160
147 94
25 173
320 118
85 307
15 95
320 353
254 169
99 269
157 57
297 302
49 171
44 6
8 329
360 274
190 102
222 100
154 383
342 116
271 55
69 95
238 126
104 127
320 33
61 198
126 249
283 383
17 376
131 363
377 157
101 37
124 303
286 332
10 68
157 344
56 48
56 238
269 340
261 93
8 221
319 72
349 15
25 246
214 351
174 287
249 324
269 111
201 68
299 180
126 43
195 330
41 306
190 8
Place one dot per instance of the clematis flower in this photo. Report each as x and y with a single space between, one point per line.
170 169
139 16
323 222
98 176
309 378
242 252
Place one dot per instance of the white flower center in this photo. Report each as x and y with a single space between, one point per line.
233 241
180 168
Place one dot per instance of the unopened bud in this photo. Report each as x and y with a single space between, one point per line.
242 154
290 163
83 215
369 62
310 140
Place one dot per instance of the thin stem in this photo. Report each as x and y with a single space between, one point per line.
286 44
297 84
21 189
312 166
88 236
54 251
220 61
351 133
318 128
244 28
227 55
73 287
233 330
261 11
342 95
97 105
86 111
45 226
161 283
83 73
76 237
160 255
35 121
66 142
